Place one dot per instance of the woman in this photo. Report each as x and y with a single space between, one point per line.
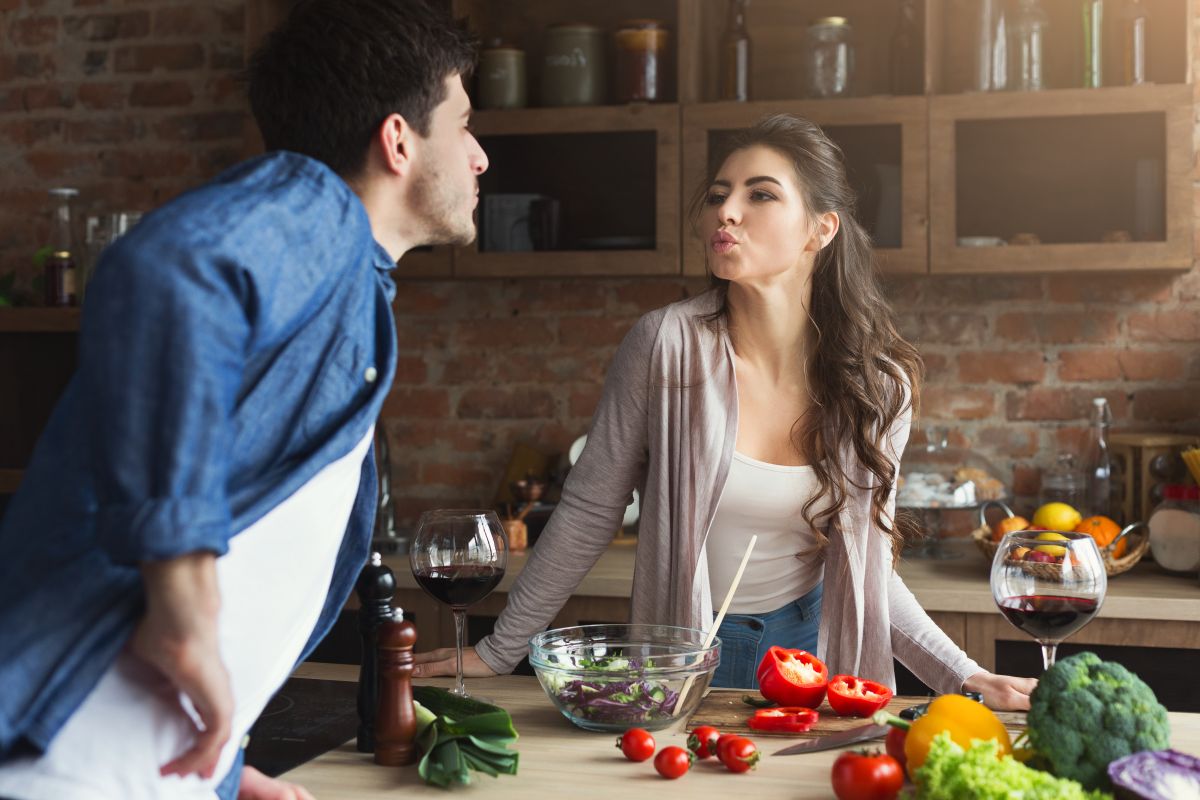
778 403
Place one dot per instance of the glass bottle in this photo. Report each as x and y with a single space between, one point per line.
829 46
991 46
1093 44
1098 463
59 267
1135 34
1026 41
907 66
735 54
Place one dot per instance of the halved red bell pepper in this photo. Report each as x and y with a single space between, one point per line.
792 677
784 720
855 697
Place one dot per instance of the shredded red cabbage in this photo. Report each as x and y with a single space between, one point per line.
1156 775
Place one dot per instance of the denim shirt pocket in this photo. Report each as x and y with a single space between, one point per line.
341 380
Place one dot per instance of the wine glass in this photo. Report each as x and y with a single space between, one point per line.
1048 584
458 556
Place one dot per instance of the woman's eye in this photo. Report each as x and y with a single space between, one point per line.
714 199
760 195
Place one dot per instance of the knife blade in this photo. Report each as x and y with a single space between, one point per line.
834 740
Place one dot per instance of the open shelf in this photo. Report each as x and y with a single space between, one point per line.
1073 167
546 167
884 141
39 320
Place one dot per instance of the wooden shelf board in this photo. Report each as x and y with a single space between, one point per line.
1076 257
10 479
877 110
1061 102
575 119
39 320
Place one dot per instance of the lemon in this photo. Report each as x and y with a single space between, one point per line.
1057 517
1052 549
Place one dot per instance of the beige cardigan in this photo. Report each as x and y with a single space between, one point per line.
667 424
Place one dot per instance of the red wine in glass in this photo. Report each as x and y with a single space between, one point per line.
460 585
1048 618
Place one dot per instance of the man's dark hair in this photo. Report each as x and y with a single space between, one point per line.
327 77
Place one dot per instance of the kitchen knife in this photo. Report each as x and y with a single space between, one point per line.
834 740
860 734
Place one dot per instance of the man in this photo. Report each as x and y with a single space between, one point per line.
201 501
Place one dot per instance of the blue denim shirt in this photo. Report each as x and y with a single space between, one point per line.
236 341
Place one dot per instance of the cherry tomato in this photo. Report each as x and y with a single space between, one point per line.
703 741
722 742
672 762
636 744
863 775
895 745
740 754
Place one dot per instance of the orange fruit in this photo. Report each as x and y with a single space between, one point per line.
1103 530
1008 525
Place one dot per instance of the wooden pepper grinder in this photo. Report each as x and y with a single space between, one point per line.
395 719
375 587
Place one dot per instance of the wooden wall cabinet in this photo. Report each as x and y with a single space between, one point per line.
1079 169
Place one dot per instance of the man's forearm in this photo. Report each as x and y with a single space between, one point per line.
183 590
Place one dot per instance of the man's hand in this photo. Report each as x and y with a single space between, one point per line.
1001 692
256 786
178 637
441 662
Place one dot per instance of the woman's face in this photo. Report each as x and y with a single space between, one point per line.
754 223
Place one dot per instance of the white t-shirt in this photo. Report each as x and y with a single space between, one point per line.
767 500
273 583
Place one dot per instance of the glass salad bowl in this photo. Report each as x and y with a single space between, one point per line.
616 677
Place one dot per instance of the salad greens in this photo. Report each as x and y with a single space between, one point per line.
952 773
628 698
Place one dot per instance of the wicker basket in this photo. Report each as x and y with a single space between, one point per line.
1137 533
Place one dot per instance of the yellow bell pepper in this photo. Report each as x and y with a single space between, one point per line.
964 718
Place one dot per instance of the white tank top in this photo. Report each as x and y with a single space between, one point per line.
767 500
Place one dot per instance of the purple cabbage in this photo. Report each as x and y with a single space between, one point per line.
618 701
1156 775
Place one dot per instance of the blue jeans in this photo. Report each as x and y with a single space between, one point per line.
745 638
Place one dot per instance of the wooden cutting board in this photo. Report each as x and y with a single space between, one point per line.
725 711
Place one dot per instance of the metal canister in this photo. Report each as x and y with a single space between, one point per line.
502 77
641 60
573 66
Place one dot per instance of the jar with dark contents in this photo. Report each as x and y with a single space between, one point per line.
642 60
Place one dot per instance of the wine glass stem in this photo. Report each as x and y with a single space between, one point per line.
1048 651
460 619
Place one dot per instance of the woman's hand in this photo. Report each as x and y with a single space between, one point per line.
441 662
1001 692
256 786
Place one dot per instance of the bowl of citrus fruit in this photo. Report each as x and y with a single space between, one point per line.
1120 548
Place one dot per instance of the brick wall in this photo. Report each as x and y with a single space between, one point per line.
133 101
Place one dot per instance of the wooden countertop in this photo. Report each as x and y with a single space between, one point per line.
558 760
956 585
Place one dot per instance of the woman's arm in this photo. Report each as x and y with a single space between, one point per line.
589 514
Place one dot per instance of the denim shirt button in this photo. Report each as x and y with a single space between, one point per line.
371 374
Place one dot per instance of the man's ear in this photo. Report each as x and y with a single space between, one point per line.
396 141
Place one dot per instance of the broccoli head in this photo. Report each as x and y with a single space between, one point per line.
1086 712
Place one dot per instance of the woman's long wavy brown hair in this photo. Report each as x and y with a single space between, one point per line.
860 364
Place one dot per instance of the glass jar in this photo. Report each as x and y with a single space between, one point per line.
1064 484
641 46
573 67
1175 529
829 58
941 475
1026 40
989 45
907 58
58 270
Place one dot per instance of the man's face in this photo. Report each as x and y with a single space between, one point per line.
445 186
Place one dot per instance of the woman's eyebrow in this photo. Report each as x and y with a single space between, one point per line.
749 181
